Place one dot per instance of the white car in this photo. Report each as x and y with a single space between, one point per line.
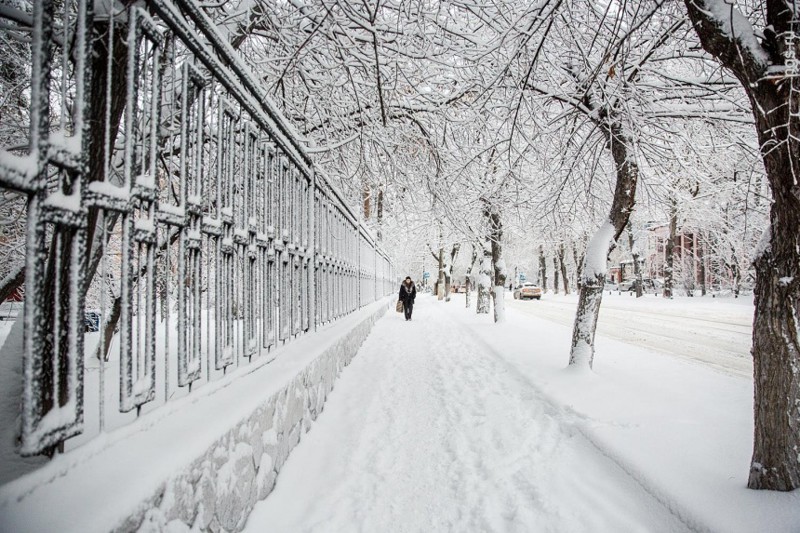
528 290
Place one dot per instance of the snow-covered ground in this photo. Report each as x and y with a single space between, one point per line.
713 331
452 423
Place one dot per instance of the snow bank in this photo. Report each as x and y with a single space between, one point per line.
200 462
681 430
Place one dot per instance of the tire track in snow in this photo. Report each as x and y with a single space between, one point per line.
724 347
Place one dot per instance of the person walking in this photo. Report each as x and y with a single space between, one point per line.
408 291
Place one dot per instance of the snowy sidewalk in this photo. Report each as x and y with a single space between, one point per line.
430 429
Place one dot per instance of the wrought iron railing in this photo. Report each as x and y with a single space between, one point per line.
174 223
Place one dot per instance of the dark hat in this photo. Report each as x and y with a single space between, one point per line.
408 277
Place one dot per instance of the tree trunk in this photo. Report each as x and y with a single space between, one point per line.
669 251
776 356
776 335
468 281
737 277
637 270
484 281
498 263
698 246
379 215
447 282
97 117
563 268
589 297
366 199
596 259
440 279
448 270
578 258
542 269
556 273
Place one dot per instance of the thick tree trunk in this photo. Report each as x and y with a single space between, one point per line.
776 357
669 251
590 296
776 333
595 262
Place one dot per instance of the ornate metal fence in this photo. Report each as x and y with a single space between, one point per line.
165 195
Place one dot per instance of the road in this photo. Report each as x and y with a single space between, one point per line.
716 333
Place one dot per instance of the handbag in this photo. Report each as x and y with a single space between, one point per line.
399 306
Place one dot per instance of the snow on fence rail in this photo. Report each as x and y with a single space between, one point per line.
163 189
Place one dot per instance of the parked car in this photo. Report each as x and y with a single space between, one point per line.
528 290
627 285
648 285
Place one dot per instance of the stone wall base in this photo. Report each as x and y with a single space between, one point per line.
215 483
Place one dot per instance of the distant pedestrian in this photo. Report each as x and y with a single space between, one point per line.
408 291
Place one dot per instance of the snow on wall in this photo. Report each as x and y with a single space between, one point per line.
207 488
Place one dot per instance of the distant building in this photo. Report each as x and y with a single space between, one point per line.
690 258
689 255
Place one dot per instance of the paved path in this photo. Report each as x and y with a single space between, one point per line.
428 430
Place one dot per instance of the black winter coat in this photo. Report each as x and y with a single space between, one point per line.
407 295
